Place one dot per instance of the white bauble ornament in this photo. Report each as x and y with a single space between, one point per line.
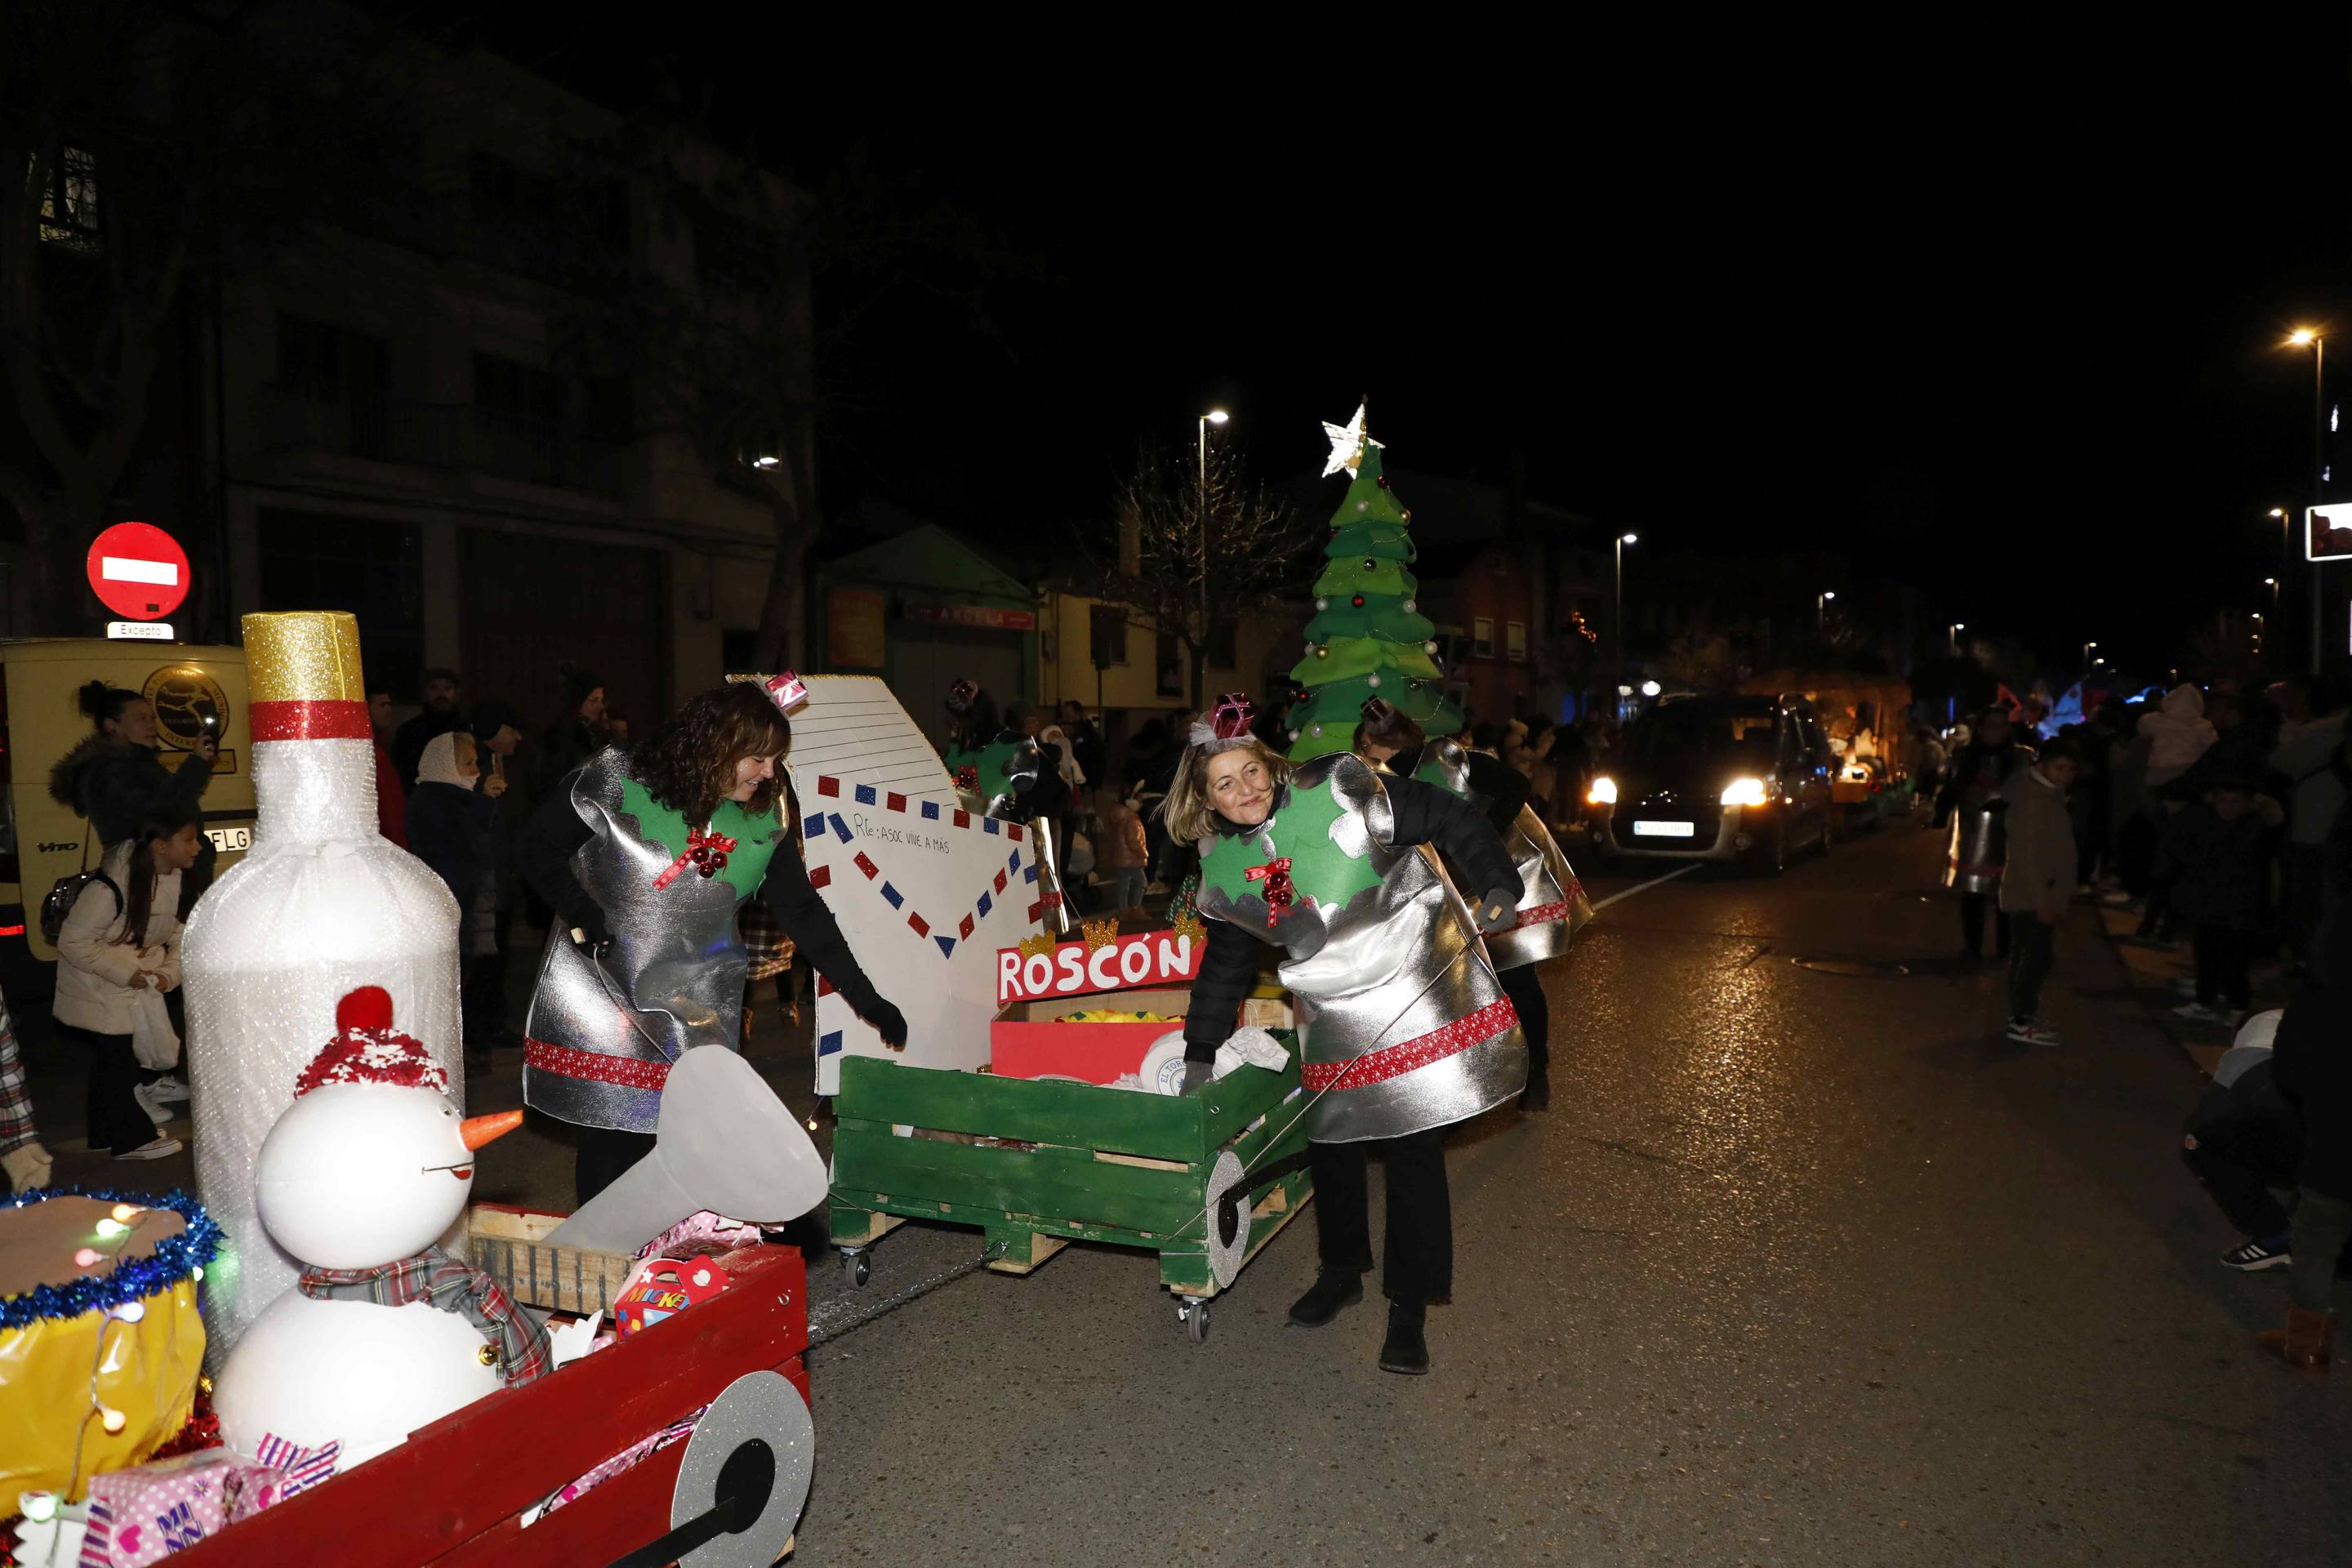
1319 729
1294 734
1363 506
1410 606
1322 604
1371 679
1430 646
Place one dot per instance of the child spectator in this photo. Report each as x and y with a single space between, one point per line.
1124 852
2212 853
2037 880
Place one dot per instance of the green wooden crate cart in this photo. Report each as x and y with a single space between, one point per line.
1037 1164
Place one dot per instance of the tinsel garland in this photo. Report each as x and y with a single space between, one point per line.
175 1257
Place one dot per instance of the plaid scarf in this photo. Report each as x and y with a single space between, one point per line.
450 1285
16 1100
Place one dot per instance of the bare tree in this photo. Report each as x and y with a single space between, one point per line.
1195 546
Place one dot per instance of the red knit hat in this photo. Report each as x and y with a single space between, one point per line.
367 1050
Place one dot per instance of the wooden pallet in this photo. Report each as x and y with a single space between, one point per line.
1036 1165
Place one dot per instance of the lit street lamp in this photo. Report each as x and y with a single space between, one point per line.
2302 337
1953 633
1213 416
1821 610
1617 622
2087 661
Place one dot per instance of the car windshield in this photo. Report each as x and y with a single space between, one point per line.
1705 729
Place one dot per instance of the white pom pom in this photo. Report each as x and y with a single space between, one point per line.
1319 729
1294 734
1363 506
1371 679
1410 606
1430 646
1322 604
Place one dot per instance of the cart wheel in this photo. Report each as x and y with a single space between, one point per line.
858 1266
1193 1313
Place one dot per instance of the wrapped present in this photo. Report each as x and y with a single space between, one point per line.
143 1514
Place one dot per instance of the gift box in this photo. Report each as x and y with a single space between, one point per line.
1033 1039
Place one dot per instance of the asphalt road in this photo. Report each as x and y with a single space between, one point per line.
1801 1267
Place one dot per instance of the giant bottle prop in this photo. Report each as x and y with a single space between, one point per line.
321 906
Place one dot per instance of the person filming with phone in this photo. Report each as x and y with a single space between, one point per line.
116 776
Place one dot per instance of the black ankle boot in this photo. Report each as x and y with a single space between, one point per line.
1406 1350
1536 1095
1333 1289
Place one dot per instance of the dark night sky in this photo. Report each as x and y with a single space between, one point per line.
1997 314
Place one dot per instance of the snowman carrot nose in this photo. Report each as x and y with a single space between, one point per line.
477 1130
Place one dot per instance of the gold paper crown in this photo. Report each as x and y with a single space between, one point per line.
303 655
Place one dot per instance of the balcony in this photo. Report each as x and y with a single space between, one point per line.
444 437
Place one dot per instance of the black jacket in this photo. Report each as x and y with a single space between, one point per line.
451 830
555 832
1976 771
114 784
1423 814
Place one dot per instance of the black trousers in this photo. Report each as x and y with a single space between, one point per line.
2305 896
116 1120
1972 924
482 999
2029 964
1524 986
1418 1246
2223 955
2241 1155
605 1156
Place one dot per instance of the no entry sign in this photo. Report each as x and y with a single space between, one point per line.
138 570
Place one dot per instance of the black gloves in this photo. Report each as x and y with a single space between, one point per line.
888 1022
589 930
1499 911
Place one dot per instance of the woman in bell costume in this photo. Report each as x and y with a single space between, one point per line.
1403 1028
1552 908
645 855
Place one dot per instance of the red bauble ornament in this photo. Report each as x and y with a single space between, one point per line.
1359 601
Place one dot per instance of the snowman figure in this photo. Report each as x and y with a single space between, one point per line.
384 1332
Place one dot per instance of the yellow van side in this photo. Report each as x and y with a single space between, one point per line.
197 690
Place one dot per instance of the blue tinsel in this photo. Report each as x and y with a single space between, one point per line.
175 1257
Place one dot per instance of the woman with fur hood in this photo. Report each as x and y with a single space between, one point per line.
115 775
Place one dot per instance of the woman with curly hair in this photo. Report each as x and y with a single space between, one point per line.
645 855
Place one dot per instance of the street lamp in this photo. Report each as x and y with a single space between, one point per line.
1213 416
1617 621
2087 661
1821 610
2316 341
1953 633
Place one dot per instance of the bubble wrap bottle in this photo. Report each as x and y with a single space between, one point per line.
321 905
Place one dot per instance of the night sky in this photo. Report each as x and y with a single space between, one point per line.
1996 313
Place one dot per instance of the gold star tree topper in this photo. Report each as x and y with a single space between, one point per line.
1347 442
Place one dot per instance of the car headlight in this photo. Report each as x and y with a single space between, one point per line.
1603 792
1743 792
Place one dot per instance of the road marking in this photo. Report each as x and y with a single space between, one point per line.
1644 887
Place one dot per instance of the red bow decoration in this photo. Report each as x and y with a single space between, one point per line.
1230 719
706 852
1279 894
967 777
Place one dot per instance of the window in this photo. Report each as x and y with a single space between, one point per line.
504 194
1515 641
1222 654
1482 637
516 390
1106 634
1168 666
69 205
734 253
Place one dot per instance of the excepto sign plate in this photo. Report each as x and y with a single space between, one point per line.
1665 830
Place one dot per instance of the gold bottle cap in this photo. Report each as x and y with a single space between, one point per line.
302 675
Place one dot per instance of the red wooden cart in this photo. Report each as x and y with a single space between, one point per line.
452 1496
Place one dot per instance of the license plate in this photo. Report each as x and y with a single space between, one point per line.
227 839
1665 830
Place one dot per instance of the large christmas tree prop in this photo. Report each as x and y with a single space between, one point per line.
1367 637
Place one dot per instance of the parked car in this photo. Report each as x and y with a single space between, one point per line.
1743 778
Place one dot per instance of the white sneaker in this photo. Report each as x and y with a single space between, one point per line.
2198 1013
152 1103
2032 1032
2187 986
171 1089
161 1149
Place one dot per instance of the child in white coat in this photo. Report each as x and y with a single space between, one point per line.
120 947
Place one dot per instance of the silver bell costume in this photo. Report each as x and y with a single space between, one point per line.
1403 1024
1553 906
604 1028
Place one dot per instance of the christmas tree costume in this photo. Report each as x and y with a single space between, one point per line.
1402 1025
1553 906
1369 638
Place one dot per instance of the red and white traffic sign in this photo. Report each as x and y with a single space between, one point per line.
138 570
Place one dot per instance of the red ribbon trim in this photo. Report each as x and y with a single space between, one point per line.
564 1061
1395 1061
1543 914
337 720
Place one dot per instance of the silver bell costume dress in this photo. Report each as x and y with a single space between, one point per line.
1553 906
663 969
1403 1024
